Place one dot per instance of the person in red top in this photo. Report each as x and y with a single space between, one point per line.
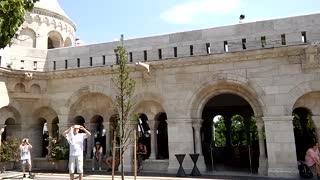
312 158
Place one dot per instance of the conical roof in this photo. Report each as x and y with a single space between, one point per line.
51 5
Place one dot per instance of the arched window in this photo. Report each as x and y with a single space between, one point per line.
54 40
27 38
19 88
67 42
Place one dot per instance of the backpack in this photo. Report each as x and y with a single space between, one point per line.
304 171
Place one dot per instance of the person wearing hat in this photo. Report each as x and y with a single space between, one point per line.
97 155
75 140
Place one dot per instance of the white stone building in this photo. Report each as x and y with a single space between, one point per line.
262 70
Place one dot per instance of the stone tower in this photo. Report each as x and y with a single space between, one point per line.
46 27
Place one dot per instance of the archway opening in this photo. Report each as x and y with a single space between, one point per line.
162 137
9 130
144 133
229 134
304 131
54 40
100 132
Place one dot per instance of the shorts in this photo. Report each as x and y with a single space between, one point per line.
25 161
75 161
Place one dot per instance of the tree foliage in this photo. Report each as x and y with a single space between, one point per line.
240 131
124 86
12 14
9 150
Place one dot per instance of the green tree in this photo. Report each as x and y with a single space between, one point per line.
220 130
9 150
125 87
12 14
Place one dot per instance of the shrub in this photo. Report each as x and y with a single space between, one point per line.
58 148
9 150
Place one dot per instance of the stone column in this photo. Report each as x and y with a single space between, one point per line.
180 140
153 128
63 123
263 162
316 122
282 158
197 124
108 135
90 140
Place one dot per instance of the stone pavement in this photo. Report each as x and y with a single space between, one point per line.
42 175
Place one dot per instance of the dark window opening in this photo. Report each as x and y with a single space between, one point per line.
130 57
225 46
283 39
145 56
103 60
54 65
35 65
191 50
90 61
22 64
208 48
160 53
263 41
304 37
175 51
78 62
117 58
66 64
244 42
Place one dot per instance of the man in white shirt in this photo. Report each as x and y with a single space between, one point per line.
75 140
25 156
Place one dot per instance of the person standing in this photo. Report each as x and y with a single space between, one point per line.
97 155
75 140
25 156
141 153
312 159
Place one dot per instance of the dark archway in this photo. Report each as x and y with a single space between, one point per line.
144 134
162 137
304 131
231 141
100 132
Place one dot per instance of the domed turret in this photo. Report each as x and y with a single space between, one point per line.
51 5
47 26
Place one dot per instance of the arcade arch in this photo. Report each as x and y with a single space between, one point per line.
55 40
151 115
306 122
233 139
46 124
67 42
27 38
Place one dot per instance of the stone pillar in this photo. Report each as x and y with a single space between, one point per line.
180 139
153 128
282 158
263 162
108 134
63 123
90 140
316 122
197 124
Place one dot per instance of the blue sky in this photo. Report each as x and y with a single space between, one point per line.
104 20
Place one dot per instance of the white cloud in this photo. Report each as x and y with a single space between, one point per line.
195 11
